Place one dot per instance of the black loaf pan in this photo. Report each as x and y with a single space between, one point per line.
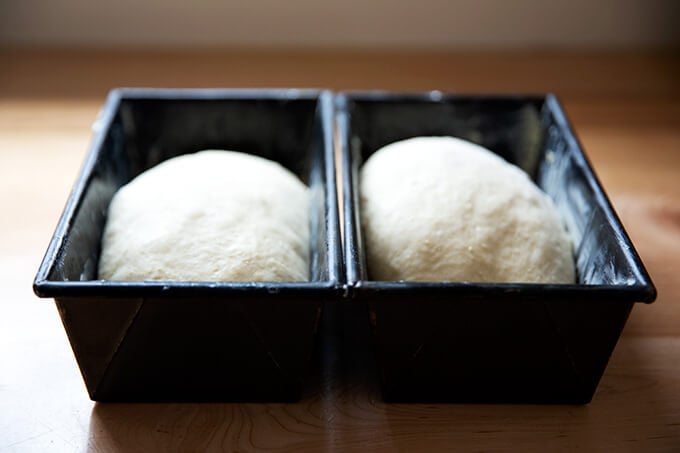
471 342
194 341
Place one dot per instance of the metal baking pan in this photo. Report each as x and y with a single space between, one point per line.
195 341
471 342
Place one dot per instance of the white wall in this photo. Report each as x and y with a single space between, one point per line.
342 23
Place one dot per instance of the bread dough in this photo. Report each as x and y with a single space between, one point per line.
209 216
444 209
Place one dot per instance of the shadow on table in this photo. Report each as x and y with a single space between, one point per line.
626 412
342 410
340 390
623 415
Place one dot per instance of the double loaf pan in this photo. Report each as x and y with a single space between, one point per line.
251 341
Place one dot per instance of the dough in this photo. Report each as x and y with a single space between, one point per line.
209 216
444 209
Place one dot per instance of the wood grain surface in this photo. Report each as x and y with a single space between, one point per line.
626 111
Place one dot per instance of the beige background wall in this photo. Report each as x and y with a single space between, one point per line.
345 23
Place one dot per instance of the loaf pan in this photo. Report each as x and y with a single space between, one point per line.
189 340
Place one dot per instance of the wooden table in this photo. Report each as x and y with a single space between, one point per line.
626 110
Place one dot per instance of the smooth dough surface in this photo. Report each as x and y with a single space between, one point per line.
209 216
444 209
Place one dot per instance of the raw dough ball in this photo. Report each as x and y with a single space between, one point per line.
444 209
209 216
